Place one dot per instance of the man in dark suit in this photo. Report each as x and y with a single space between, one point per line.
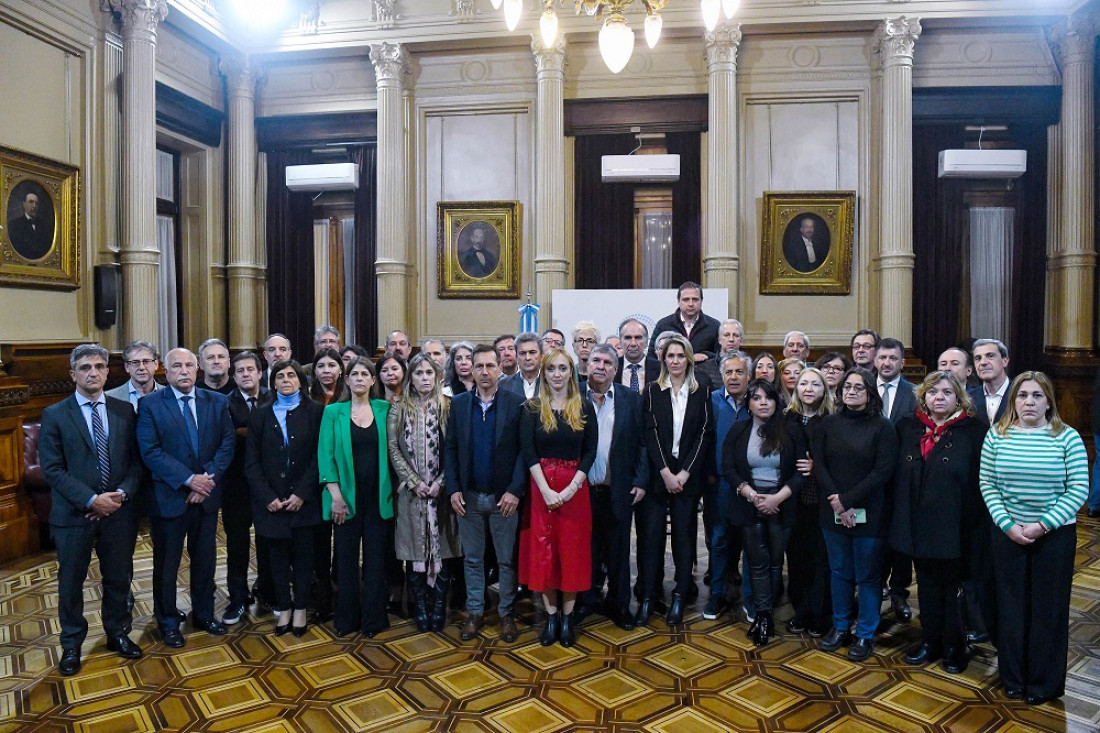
806 249
276 348
637 368
89 457
485 482
247 395
525 382
617 481
186 439
31 235
991 364
899 399
689 321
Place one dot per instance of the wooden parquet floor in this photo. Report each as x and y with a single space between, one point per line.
704 676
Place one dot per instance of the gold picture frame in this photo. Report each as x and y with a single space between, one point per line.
479 249
788 265
39 221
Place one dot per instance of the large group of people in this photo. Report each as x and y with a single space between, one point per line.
433 476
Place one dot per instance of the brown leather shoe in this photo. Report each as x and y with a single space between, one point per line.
471 627
508 630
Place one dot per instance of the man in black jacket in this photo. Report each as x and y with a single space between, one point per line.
690 321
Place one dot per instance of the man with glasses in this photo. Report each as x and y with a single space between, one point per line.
864 344
585 336
552 338
140 360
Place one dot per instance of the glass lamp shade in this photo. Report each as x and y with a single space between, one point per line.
548 26
729 7
496 4
653 25
616 43
512 10
711 10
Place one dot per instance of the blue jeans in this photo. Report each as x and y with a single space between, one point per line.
723 551
483 517
1094 490
855 562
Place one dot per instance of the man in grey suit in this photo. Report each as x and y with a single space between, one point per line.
89 456
140 360
525 381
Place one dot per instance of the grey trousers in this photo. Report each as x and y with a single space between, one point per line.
483 513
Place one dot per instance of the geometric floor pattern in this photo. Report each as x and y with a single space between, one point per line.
703 676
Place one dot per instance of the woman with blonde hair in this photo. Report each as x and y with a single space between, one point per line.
558 440
789 371
427 528
679 436
1034 478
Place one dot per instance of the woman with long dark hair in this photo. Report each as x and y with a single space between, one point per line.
766 367
458 374
758 458
391 376
327 385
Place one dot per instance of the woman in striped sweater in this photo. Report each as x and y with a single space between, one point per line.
1034 477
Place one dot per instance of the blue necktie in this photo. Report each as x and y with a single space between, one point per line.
192 426
103 454
634 385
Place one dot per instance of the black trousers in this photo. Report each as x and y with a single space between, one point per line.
808 570
113 540
652 510
1033 594
199 529
610 550
361 590
323 556
237 522
938 583
980 589
765 541
900 569
291 565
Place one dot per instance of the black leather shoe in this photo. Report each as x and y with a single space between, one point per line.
181 616
566 637
124 647
173 638
552 631
644 612
676 610
624 620
956 659
794 626
70 662
835 639
1037 699
924 653
299 631
860 649
763 628
217 628
901 609
977 637
1014 693
282 630
580 612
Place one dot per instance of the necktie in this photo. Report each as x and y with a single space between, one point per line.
192 426
251 404
634 385
886 399
103 454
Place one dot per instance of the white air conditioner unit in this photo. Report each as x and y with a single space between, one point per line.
641 168
982 163
323 177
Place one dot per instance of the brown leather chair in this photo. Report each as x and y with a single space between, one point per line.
34 481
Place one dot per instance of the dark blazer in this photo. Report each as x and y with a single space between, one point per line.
696 437
31 242
905 401
275 470
626 458
937 502
70 462
242 416
166 449
980 411
704 337
735 466
652 371
514 383
794 250
509 473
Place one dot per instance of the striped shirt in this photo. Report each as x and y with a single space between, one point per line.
1029 475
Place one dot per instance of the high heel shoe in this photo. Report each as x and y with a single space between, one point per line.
552 631
282 626
299 631
763 632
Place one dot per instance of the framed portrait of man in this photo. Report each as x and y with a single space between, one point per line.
39 221
479 249
807 239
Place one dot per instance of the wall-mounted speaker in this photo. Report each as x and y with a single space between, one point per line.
105 280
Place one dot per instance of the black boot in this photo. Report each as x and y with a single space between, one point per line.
418 583
763 633
567 638
552 631
439 606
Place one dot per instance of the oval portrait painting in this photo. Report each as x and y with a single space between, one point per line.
478 249
30 220
806 242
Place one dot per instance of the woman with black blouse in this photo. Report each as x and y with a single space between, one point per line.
679 436
391 376
327 385
759 459
854 455
558 440
281 467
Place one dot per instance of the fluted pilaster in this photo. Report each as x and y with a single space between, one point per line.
894 42
392 264
551 259
721 245
139 256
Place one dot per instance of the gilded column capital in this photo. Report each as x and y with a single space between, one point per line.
895 39
548 59
391 63
138 17
722 44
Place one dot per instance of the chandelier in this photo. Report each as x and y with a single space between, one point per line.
616 37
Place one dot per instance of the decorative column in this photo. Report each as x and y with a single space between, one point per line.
894 41
391 265
551 259
244 269
139 254
1072 261
721 244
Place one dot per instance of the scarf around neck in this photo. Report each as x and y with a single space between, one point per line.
933 432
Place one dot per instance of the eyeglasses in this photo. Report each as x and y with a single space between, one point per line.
135 363
854 388
584 341
832 369
862 347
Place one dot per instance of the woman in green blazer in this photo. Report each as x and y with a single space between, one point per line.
353 466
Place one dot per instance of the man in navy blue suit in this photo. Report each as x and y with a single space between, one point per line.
186 438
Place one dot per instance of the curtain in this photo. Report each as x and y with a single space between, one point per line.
687 208
992 239
604 217
289 254
365 292
168 323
